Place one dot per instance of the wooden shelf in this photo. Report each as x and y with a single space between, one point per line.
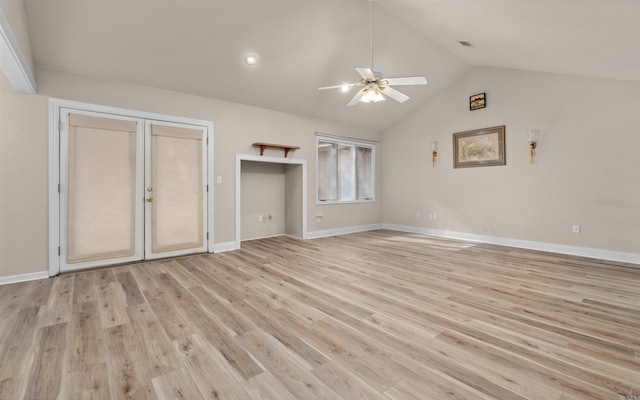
286 148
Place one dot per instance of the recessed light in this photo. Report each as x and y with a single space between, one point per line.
250 59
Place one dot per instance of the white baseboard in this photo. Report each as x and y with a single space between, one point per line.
342 231
32 276
225 246
601 254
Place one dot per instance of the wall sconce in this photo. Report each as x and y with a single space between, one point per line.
434 153
533 141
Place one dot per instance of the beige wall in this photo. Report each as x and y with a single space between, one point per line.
586 172
293 200
263 194
24 146
23 181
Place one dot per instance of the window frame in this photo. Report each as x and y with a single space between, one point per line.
354 144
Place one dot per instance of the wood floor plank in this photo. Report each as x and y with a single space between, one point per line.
128 378
91 382
267 387
234 323
38 293
84 287
369 360
206 279
154 349
112 305
173 321
378 315
307 355
18 345
11 388
603 372
302 383
209 370
182 275
506 371
133 295
85 338
177 385
46 373
12 297
235 354
345 383
420 382
59 307
180 295
143 275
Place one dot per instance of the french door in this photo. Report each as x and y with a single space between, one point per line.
130 189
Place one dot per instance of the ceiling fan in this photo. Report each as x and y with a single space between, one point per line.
375 85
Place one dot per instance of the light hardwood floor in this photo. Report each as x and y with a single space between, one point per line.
376 315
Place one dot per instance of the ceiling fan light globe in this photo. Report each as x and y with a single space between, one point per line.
371 95
345 88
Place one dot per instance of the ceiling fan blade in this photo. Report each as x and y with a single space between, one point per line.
366 73
349 85
356 98
407 80
330 87
334 87
394 94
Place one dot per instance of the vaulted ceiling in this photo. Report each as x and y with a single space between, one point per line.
197 46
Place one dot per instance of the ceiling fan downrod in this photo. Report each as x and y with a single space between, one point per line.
371 36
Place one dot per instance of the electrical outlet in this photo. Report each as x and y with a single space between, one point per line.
218 179
576 229
260 218
418 215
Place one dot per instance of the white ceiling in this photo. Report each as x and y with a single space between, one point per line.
196 46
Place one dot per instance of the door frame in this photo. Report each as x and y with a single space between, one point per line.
54 165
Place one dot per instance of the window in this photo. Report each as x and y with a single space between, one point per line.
345 171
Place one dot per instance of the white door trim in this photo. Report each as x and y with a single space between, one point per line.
276 160
54 165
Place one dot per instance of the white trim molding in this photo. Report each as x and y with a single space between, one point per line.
342 231
609 255
224 246
32 276
12 61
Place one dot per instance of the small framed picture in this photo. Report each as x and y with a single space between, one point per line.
477 101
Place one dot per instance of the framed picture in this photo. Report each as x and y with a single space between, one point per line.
479 148
477 101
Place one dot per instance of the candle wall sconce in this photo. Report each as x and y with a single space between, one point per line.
434 153
533 142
